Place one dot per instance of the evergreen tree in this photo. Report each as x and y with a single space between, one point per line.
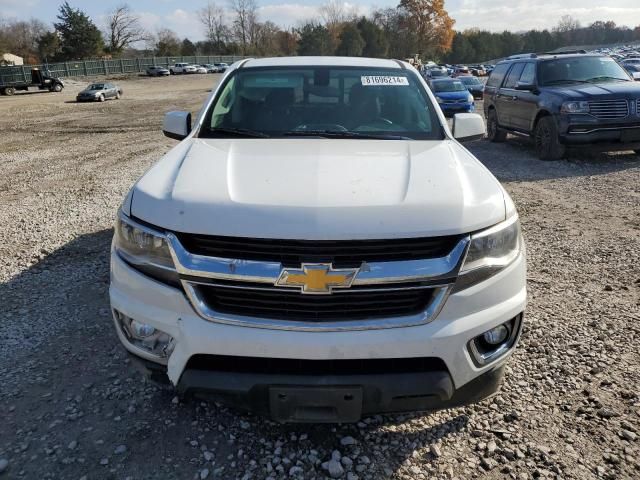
79 37
376 43
314 40
187 49
351 42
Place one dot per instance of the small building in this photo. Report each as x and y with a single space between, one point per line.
10 59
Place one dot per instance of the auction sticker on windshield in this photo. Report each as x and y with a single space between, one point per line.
383 80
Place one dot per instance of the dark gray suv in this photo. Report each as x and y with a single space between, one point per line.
564 100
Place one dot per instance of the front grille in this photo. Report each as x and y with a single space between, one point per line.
287 366
342 253
609 109
283 304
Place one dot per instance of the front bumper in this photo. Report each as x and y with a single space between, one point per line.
329 398
586 130
465 315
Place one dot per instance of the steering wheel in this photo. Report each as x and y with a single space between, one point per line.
329 127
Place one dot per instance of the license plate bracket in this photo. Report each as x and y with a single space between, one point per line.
330 404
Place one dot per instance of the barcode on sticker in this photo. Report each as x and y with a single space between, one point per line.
383 80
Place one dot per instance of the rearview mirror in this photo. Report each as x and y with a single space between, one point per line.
177 125
468 127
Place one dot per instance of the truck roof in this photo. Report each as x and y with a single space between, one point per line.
321 61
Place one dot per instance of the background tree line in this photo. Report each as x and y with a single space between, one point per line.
234 27
475 45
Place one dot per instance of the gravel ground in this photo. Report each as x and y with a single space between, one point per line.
72 407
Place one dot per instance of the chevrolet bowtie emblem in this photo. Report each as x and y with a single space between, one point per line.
316 278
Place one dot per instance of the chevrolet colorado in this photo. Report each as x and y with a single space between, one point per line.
319 246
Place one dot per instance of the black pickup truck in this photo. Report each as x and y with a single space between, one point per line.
16 78
564 101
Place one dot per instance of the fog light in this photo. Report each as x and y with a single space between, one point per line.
142 330
497 335
495 343
156 344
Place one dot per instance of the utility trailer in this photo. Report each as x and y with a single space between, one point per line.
17 78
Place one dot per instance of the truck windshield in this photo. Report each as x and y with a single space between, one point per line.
333 102
580 70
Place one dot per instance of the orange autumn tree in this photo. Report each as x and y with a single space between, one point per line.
429 25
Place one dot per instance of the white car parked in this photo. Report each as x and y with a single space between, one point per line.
200 69
319 246
179 68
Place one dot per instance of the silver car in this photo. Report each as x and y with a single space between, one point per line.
99 92
156 71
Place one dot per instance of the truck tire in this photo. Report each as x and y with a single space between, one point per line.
494 133
57 88
546 140
9 91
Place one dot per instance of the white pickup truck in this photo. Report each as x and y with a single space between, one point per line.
319 246
179 68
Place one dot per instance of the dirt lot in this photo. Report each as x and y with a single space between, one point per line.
71 406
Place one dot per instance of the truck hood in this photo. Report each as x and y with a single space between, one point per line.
319 189
602 90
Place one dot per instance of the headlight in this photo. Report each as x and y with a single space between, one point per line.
145 249
470 98
575 107
489 252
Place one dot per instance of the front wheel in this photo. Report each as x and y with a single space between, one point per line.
547 142
101 98
494 132
117 95
57 88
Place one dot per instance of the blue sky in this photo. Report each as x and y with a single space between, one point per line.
495 15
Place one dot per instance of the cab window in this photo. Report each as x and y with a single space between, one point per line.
495 80
528 74
514 75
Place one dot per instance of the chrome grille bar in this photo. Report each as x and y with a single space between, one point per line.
609 109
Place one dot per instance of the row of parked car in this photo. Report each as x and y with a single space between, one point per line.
457 91
184 68
444 69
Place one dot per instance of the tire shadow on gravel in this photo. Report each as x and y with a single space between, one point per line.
515 160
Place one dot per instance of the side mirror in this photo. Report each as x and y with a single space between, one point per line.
525 86
468 127
636 76
177 125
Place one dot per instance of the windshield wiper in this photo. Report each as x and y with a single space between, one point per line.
565 80
240 132
338 134
606 77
